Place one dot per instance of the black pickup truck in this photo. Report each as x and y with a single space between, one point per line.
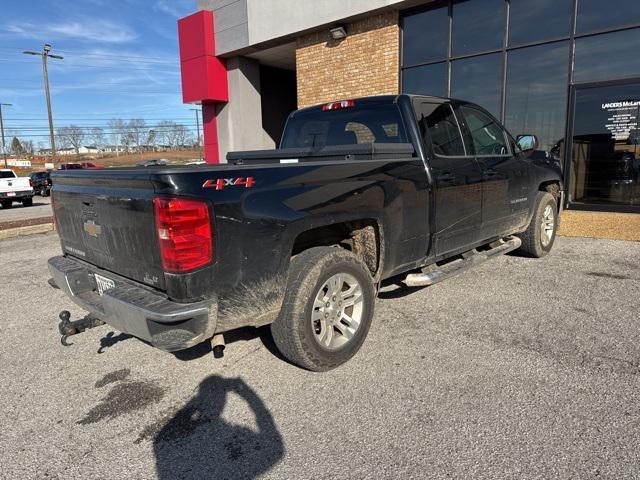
408 188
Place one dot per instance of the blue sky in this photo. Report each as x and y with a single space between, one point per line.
120 60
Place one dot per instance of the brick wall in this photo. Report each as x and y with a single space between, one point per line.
364 63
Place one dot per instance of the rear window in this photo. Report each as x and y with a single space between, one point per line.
6 174
347 126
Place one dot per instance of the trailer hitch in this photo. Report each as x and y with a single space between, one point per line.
68 328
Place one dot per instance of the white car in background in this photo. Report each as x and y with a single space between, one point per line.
15 189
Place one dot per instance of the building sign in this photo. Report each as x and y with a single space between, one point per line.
14 162
622 118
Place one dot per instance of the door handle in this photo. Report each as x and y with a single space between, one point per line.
446 177
491 172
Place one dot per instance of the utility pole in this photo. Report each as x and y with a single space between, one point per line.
46 54
4 147
198 111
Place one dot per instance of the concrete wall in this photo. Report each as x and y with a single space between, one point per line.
267 17
241 24
240 120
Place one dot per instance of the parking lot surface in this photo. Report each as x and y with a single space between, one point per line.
518 369
41 208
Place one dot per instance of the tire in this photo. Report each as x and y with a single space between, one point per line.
6 203
315 329
27 202
535 243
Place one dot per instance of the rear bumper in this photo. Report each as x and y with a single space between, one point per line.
16 195
134 309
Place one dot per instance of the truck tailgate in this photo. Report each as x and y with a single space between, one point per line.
107 219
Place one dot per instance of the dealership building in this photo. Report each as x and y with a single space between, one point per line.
567 71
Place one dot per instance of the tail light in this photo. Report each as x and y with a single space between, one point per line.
338 105
184 232
30 183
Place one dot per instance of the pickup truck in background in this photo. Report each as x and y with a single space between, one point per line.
404 188
15 189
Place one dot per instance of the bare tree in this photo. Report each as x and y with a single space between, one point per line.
136 131
28 148
72 135
117 130
164 132
97 137
181 134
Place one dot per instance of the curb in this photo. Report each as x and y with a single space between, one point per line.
29 230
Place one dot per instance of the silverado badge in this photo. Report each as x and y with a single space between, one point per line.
92 228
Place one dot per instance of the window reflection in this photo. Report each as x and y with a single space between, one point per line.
426 35
600 14
425 80
478 26
537 93
605 160
478 80
607 56
526 19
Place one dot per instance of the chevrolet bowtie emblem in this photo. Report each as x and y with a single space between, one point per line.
92 228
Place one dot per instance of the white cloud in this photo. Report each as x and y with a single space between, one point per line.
86 29
175 8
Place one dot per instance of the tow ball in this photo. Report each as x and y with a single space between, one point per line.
68 328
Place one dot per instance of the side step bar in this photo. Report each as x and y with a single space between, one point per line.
467 260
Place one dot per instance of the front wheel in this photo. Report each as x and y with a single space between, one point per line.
6 203
327 310
538 238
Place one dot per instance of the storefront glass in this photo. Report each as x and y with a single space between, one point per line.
520 59
465 76
605 155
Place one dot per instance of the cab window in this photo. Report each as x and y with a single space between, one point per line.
487 137
439 124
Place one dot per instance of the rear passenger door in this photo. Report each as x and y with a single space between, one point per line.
504 175
457 177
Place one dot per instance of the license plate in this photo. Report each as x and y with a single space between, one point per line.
11 194
103 284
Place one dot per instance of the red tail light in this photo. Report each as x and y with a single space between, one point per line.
338 105
184 232
30 183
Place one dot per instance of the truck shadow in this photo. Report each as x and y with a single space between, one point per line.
195 442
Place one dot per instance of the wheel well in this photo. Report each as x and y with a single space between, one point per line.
553 187
361 237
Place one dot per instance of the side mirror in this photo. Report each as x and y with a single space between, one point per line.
527 143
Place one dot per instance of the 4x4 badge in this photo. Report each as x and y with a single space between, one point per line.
220 183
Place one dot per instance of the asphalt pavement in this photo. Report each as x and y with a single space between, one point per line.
519 368
41 208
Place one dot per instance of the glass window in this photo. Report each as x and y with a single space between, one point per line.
478 26
439 121
607 56
425 36
540 20
487 136
478 80
601 14
537 92
347 126
426 80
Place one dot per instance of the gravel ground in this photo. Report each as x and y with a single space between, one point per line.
517 369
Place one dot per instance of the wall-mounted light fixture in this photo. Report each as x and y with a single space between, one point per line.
338 33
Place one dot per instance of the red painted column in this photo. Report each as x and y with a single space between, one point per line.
210 127
204 76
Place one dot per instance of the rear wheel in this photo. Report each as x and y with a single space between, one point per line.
538 238
327 310
27 202
6 203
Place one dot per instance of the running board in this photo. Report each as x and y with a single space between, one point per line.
468 260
